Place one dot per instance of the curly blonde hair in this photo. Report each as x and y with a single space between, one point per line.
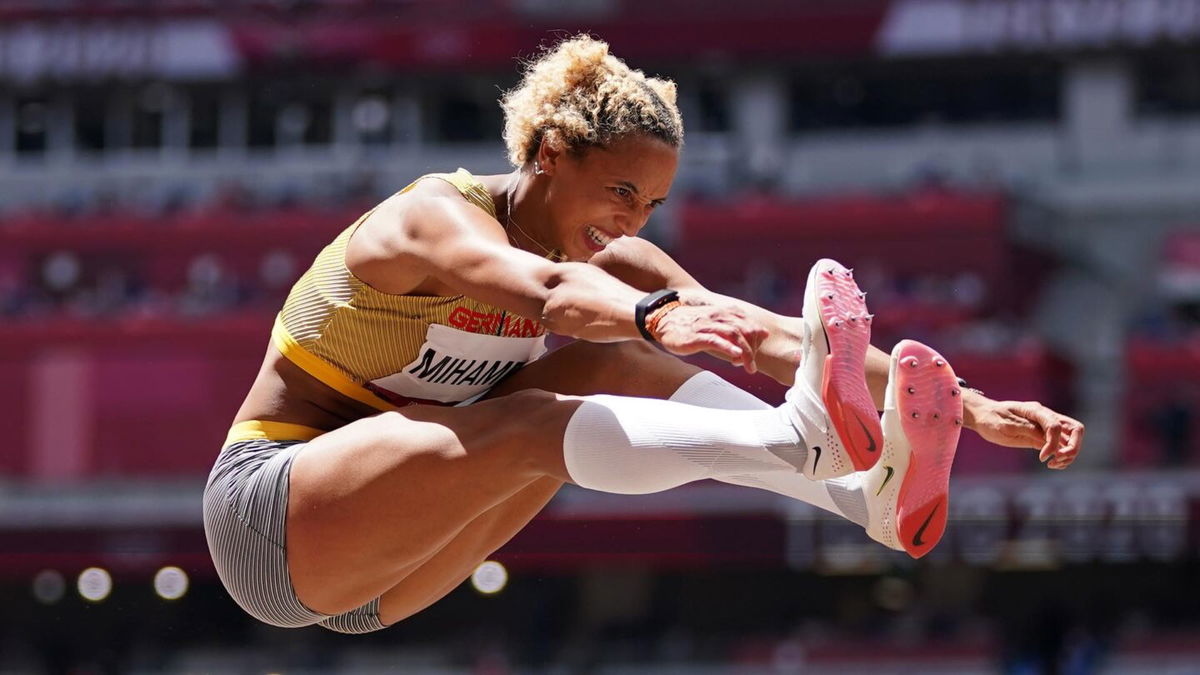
576 95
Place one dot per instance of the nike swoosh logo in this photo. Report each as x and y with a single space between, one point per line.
890 471
921 530
870 438
817 457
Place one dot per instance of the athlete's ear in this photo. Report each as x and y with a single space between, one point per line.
547 158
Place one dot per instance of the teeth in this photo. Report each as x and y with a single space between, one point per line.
598 237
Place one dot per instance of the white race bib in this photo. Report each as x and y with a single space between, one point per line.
454 365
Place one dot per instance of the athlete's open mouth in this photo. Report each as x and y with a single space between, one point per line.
596 238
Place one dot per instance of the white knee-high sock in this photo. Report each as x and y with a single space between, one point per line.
842 496
640 445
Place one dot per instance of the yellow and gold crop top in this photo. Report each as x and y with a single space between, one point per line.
390 350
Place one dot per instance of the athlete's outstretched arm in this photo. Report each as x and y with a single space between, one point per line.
431 241
1018 424
645 266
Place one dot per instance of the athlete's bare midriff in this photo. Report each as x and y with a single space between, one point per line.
283 392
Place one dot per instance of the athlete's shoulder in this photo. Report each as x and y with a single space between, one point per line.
434 216
461 183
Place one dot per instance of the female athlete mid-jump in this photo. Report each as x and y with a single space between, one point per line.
406 422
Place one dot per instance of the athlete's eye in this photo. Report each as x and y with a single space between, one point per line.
623 193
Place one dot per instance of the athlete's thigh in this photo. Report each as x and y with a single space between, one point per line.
449 567
368 501
630 368
579 368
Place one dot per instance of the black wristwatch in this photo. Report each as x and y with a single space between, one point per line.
646 307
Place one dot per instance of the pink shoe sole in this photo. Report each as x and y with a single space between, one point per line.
929 404
847 325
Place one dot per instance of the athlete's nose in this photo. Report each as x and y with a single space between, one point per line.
627 225
634 223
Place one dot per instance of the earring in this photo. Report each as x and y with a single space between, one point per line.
537 169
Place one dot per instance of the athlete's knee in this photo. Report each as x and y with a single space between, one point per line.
645 355
626 353
528 399
500 430
638 361
525 428
525 414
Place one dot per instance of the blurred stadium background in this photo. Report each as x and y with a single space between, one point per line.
169 167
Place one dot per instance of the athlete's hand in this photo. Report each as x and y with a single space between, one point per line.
1027 424
722 330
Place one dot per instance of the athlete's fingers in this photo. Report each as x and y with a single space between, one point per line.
1061 461
1074 439
749 363
736 347
1051 428
736 323
730 329
756 333
743 343
1069 440
734 334
740 336
1053 438
715 345
708 332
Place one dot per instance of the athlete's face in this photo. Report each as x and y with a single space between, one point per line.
605 193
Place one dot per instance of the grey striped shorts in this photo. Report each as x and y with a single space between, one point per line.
245 512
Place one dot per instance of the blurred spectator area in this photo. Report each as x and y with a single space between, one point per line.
1162 358
75 8
127 264
130 341
1162 393
1162 398
132 338
904 247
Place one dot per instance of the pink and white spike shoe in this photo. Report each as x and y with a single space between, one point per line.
829 402
907 493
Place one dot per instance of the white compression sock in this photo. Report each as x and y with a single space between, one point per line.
639 445
842 496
